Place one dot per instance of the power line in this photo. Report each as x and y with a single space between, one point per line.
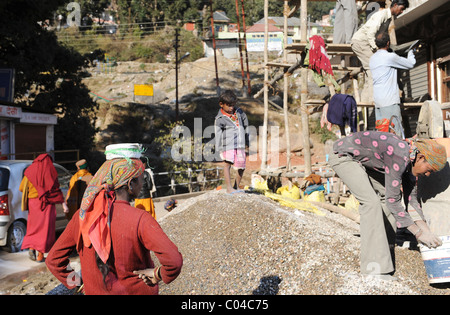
140 23
145 26
102 37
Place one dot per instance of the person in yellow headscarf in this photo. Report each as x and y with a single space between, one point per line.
114 239
77 186
381 171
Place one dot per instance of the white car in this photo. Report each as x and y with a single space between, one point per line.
13 221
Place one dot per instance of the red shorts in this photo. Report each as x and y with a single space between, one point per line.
236 157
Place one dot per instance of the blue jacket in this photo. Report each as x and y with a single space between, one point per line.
342 111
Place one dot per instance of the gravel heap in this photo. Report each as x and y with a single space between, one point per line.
248 244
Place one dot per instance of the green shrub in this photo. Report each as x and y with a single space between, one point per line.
134 44
323 133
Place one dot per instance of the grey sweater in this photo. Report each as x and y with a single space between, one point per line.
228 135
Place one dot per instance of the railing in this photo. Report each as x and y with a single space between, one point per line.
195 177
53 153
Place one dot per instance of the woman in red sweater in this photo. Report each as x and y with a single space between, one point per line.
114 239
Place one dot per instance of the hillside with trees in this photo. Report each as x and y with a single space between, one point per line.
48 76
49 44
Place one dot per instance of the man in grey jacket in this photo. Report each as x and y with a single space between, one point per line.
231 134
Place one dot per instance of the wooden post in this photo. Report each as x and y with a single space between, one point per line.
286 89
189 171
204 178
362 117
249 86
172 182
240 48
214 48
304 92
177 34
266 82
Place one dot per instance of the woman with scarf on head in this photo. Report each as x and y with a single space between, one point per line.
379 168
114 239
40 193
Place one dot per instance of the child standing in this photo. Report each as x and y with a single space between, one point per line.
231 137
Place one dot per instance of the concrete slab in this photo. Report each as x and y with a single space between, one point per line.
16 262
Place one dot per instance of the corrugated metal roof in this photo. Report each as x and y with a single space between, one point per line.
220 16
259 28
279 20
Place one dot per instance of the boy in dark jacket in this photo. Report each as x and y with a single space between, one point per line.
231 137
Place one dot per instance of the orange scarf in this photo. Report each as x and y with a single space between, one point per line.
98 200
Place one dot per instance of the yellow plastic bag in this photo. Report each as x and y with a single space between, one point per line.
259 183
317 196
352 204
262 185
296 204
293 193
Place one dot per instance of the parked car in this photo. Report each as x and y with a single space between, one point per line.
13 221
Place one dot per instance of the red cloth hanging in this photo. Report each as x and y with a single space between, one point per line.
318 58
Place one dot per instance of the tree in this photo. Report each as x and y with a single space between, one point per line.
94 8
193 13
317 9
48 76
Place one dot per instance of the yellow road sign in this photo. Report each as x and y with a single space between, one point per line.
143 89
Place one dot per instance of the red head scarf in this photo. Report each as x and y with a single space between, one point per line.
44 177
97 200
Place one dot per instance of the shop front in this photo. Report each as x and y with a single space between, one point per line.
23 134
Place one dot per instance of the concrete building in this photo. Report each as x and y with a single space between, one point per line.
23 132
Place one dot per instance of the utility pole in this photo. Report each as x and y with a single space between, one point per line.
266 87
240 48
214 46
286 89
249 87
304 92
176 46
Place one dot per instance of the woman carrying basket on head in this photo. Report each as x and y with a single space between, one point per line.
114 239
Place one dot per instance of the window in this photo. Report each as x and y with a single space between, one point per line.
4 179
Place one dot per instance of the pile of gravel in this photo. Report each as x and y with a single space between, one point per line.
248 244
